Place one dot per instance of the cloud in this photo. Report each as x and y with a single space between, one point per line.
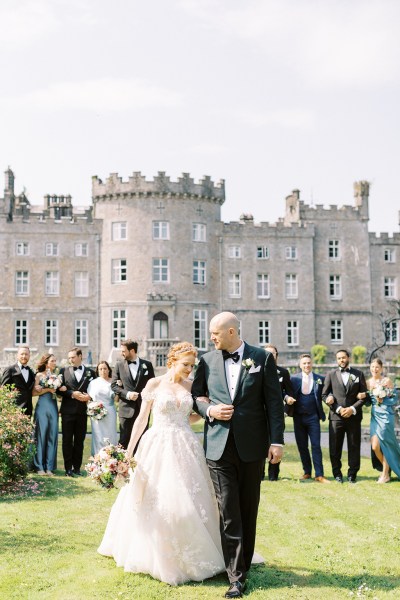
290 118
326 43
101 95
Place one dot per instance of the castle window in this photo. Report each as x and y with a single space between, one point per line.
160 326
389 255
22 283
262 285
81 332
234 285
335 287
51 332
51 249
263 332
21 332
234 252
292 333
22 249
52 283
336 331
160 270
160 230
199 231
81 249
389 287
199 272
81 284
118 327
392 333
291 287
119 231
334 249
291 252
118 270
200 329
262 252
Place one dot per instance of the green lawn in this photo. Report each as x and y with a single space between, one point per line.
319 542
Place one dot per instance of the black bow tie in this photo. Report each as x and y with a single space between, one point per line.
23 367
345 370
132 362
77 368
234 356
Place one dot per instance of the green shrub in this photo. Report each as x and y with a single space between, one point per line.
16 438
318 353
358 355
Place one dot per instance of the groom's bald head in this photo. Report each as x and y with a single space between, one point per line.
224 331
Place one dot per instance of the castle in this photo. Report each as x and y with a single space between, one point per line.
152 260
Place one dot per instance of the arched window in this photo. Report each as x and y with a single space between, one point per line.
160 326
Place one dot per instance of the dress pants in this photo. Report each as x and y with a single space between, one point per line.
237 487
337 430
74 429
308 426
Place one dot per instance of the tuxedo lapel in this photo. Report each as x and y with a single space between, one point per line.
222 372
138 373
18 373
129 374
339 376
243 371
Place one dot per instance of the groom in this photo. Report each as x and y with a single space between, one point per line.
244 425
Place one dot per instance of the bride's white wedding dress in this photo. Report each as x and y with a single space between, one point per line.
165 521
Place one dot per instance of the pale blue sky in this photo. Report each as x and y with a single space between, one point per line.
268 95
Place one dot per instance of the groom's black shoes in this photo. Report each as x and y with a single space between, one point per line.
236 590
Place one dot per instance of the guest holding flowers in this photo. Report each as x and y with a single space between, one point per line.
385 447
47 381
101 409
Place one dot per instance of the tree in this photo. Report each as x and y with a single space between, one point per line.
358 355
318 353
391 315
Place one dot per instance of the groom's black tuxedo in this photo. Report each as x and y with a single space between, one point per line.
345 396
122 383
13 376
236 449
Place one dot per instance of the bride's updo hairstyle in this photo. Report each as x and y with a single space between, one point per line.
177 350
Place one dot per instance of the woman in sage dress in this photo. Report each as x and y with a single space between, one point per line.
46 415
385 447
100 391
165 521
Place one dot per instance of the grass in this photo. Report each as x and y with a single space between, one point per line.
319 541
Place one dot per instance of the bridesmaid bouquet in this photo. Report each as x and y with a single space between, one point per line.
381 392
110 467
96 410
51 380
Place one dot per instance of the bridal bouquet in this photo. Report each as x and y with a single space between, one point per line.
110 467
51 380
96 410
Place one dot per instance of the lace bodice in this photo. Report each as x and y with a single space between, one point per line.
169 408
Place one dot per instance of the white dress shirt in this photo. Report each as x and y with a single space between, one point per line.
232 371
25 372
79 373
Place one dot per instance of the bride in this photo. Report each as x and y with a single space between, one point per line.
165 521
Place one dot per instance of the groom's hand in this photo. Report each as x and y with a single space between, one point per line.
222 412
275 454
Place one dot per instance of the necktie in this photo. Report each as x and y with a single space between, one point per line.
234 356
131 362
23 367
77 368
345 370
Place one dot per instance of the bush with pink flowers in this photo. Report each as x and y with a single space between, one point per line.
16 439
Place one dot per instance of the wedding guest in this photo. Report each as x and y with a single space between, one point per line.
76 379
307 413
344 392
164 522
21 376
244 424
46 415
385 447
100 390
130 376
287 394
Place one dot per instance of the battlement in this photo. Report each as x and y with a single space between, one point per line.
384 238
137 185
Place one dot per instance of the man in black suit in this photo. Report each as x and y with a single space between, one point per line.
344 392
76 379
23 378
130 376
287 396
244 424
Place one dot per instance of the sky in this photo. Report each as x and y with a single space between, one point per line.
269 95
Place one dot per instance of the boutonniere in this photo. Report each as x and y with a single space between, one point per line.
248 363
280 379
354 378
89 374
144 368
318 382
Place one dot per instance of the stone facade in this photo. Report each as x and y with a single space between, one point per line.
152 260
